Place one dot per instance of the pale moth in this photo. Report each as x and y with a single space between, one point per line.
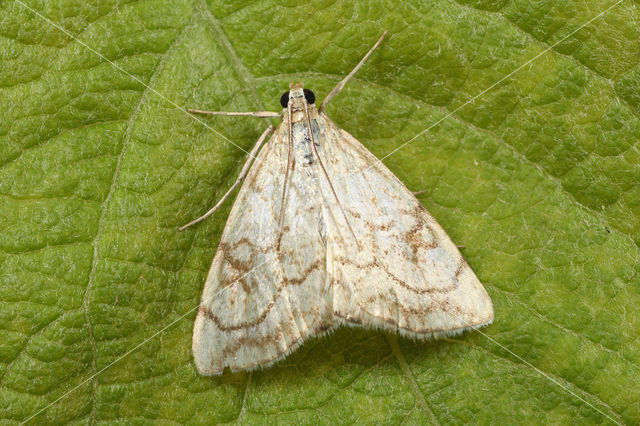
322 234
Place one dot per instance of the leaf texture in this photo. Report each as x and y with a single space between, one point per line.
537 179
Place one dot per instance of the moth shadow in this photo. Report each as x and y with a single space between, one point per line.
340 353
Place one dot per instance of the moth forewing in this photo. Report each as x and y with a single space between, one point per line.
410 277
273 275
323 234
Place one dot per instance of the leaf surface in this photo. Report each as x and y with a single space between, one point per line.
538 179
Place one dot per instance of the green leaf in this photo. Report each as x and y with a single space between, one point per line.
538 179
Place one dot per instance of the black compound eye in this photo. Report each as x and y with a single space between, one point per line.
284 100
309 96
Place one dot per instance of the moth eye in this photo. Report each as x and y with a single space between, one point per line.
309 96
284 100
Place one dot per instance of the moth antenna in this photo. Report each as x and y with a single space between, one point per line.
344 81
315 151
286 175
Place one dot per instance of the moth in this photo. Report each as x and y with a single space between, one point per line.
322 234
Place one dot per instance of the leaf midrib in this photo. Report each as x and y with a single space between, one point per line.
105 204
249 80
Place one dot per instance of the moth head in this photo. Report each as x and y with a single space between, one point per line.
296 96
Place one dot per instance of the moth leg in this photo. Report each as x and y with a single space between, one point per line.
258 114
344 81
241 176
